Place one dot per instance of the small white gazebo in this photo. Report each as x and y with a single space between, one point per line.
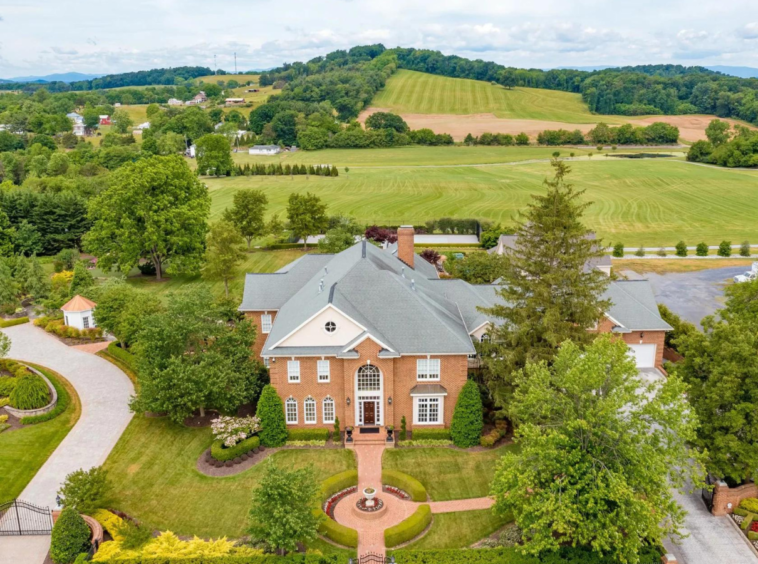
77 312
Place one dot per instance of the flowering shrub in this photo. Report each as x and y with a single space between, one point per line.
754 526
232 430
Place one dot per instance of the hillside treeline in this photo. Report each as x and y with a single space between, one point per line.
657 133
726 146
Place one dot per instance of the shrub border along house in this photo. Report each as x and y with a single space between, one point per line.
328 527
410 528
404 482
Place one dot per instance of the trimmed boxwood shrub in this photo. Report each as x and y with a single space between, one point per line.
219 452
431 434
11 322
124 356
750 504
31 392
338 482
467 424
70 537
271 413
407 483
512 555
336 532
308 435
412 527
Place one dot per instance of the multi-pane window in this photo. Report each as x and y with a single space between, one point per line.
291 411
428 411
369 379
323 370
428 369
266 323
266 362
310 410
328 410
293 370
85 322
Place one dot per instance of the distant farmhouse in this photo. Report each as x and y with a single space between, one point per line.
78 122
105 120
199 98
175 102
234 101
265 150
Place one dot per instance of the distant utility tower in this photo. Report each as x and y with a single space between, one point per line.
235 62
215 66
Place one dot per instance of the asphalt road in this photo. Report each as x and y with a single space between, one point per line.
691 295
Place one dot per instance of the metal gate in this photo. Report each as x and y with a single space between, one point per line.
21 518
373 558
707 493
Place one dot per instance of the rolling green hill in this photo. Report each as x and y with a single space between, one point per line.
411 92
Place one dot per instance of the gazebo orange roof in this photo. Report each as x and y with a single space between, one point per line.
78 303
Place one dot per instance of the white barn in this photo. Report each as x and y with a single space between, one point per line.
265 150
77 312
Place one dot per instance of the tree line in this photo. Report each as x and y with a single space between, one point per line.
657 133
726 146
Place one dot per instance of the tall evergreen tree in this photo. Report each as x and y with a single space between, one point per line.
550 297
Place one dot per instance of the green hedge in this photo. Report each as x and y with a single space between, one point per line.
124 356
750 504
409 529
11 322
745 525
243 447
407 483
431 434
741 512
308 434
297 558
566 555
338 482
335 532
63 401
70 537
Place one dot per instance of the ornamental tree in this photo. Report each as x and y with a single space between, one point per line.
247 213
600 451
223 253
282 509
84 490
466 427
307 216
549 297
271 414
155 208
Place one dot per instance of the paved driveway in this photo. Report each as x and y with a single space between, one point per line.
104 391
711 540
691 295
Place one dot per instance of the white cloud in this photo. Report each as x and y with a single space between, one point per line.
139 35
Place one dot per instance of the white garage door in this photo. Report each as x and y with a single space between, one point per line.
644 355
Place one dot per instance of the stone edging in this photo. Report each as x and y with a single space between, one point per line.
20 413
742 534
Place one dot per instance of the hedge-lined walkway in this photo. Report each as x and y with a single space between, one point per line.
371 531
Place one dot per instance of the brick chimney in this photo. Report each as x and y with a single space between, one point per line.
405 244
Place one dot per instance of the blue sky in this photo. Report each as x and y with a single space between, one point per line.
46 36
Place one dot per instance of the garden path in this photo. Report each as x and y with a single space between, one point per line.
371 531
104 391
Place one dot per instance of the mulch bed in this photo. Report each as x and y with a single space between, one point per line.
197 421
13 421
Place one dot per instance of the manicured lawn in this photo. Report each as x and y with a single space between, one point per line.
152 470
652 202
420 93
447 473
24 451
662 266
458 530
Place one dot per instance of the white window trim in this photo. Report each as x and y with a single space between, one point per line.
319 373
293 371
441 399
267 362
436 378
306 401
290 401
263 325
323 409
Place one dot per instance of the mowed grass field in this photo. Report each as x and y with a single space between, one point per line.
412 92
652 202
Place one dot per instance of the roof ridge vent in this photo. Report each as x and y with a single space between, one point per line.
321 286
326 270
402 272
413 284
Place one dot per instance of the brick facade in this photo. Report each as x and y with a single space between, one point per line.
260 336
656 338
398 376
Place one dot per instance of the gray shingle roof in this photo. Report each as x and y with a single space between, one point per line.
509 242
634 306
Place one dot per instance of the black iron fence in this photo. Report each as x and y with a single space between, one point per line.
21 518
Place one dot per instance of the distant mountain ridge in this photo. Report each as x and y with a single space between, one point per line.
56 77
741 72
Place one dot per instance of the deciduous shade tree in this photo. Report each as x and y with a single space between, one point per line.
155 208
282 511
336 240
466 427
70 537
477 268
247 213
192 357
386 120
27 239
84 490
214 155
600 451
549 295
7 234
721 369
122 310
223 253
121 121
82 279
271 413
306 215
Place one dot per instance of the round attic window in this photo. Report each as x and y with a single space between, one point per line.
330 327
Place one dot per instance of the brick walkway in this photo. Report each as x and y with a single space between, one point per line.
371 532
93 347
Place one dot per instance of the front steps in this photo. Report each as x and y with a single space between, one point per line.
369 438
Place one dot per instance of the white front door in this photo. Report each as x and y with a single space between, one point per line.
644 355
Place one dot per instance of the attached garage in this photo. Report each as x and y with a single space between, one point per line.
644 355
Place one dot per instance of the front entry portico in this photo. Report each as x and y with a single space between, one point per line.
369 393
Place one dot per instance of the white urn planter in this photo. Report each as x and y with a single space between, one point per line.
369 494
